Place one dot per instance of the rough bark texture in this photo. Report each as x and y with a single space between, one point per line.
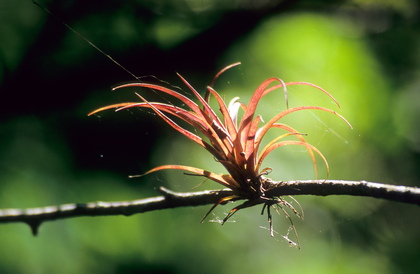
34 217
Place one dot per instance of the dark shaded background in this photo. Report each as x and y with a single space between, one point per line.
52 153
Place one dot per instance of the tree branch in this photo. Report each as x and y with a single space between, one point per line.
34 217
395 193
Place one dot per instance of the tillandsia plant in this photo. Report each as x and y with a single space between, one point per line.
234 141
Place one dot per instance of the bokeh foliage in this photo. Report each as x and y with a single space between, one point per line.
366 53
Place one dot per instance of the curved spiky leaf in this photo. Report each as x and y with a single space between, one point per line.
207 96
185 115
114 106
191 104
246 120
222 71
286 143
222 179
228 121
208 111
180 129
301 83
298 135
282 114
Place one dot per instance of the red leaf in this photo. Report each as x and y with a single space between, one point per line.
284 143
222 179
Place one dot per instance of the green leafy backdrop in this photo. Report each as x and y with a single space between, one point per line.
366 53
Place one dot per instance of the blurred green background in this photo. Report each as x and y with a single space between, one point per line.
366 53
